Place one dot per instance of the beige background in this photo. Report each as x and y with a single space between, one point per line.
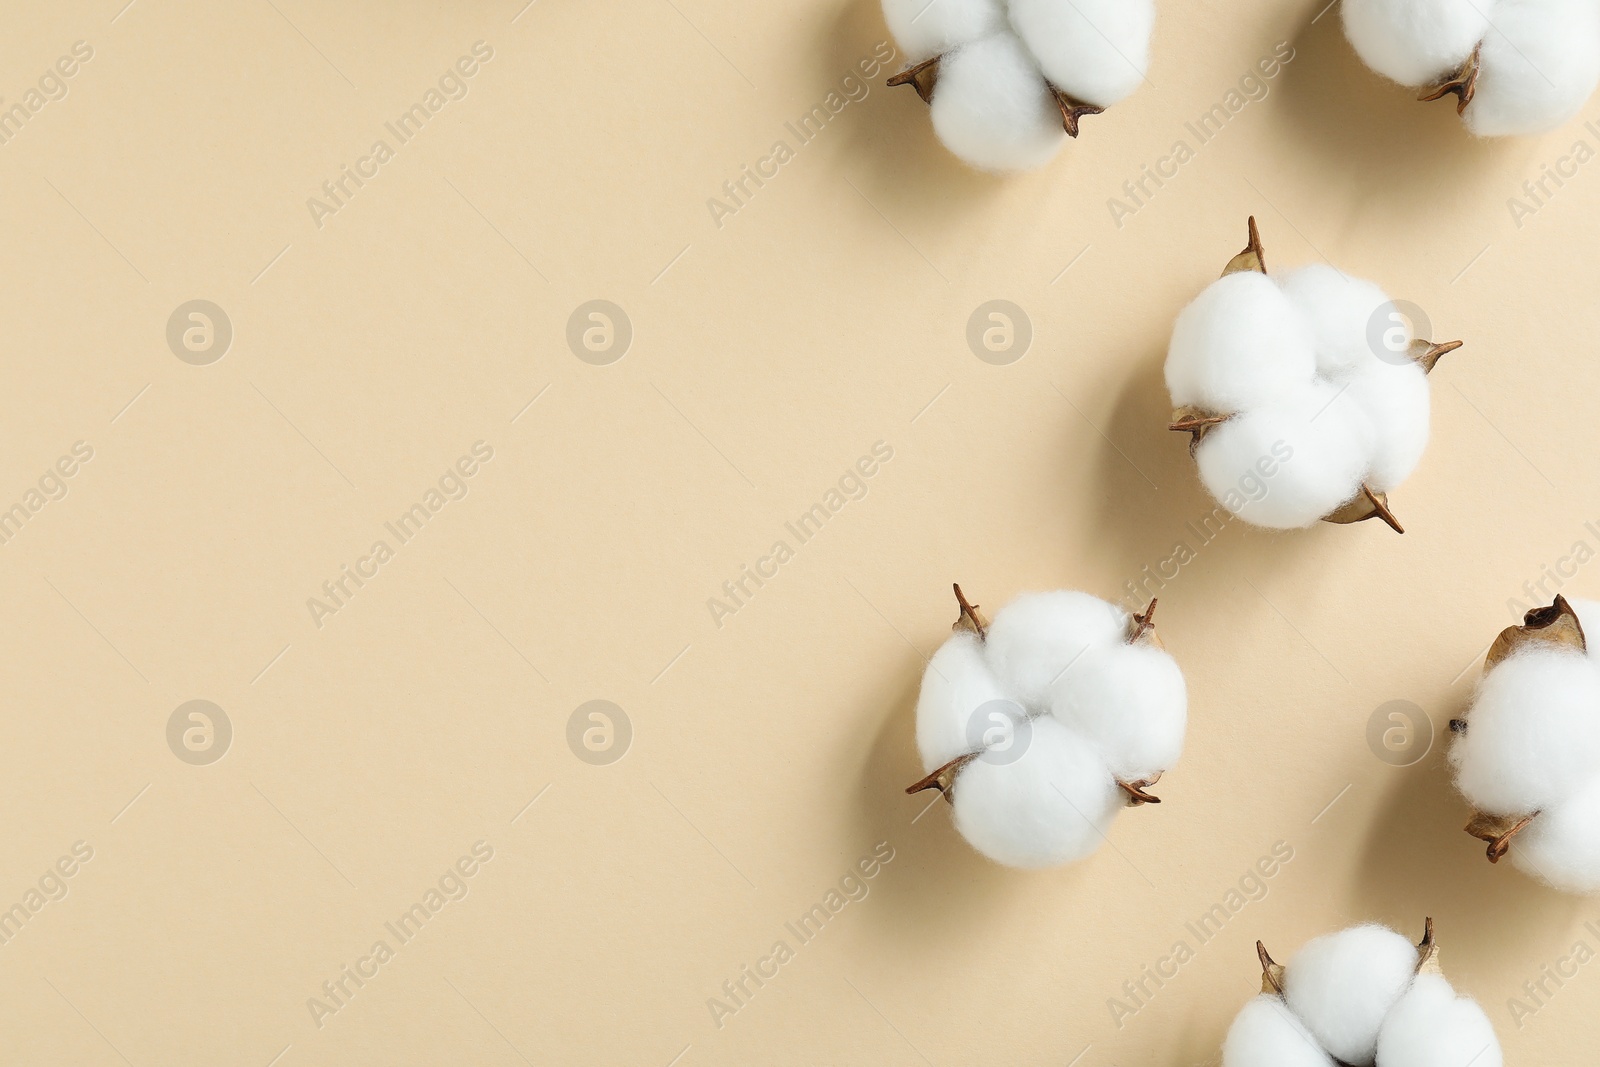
768 354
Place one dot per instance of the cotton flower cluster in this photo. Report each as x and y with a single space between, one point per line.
1040 726
1364 996
1308 385
1009 79
1527 753
1517 66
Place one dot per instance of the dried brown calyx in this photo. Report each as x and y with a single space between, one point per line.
1554 627
1141 631
1463 83
1497 830
1197 422
1368 504
925 75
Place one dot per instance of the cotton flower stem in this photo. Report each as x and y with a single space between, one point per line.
943 779
1254 257
1367 504
1428 951
1556 626
1426 354
1498 830
1463 83
1072 111
970 619
921 77
1271 971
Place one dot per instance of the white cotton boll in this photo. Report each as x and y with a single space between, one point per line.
1052 805
926 28
1415 42
1432 1027
1239 344
956 684
1540 62
1562 846
1288 465
1341 311
1265 1033
992 108
1342 985
1533 732
1397 403
1095 51
1035 638
1131 703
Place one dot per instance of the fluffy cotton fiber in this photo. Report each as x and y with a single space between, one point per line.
1532 747
1342 985
992 101
1539 60
1095 709
1311 371
1432 1027
1355 997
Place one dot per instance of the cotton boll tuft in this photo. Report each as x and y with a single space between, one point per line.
1432 1027
1265 1033
1130 702
991 106
1045 792
1035 639
1342 985
1397 402
1238 345
1306 393
925 28
1341 310
1533 731
1288 465
1415 42
1050 806
1540 62
956 684
1095 51
1562 846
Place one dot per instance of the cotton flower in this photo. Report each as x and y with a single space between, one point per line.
1363 997
1040 726
1515 66
1008 80
1306 393
1527 752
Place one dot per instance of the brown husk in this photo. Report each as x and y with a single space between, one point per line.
1556 626
1498 830
1463 83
